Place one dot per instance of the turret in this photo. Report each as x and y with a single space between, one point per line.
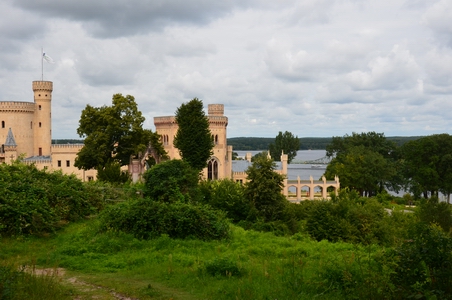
42 124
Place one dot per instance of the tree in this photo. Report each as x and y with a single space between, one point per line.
286 142
427 164
193 138
364 162
263 189
112 134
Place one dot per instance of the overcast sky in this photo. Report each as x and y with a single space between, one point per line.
312 67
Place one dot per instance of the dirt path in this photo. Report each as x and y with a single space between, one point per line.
83 288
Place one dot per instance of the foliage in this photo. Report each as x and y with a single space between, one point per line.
36 202
431 211
424 264
284 142
428 165
112 173
193 137
364 162
263 189
146 219
171 181
228 196
260 155
349 218
112 134
222 266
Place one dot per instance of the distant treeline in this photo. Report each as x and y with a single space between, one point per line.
67 141
313 143
260 143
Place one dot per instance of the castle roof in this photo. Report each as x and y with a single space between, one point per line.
10 141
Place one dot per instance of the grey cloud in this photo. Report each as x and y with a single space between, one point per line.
113 18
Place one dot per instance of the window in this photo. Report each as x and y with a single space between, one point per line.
40 151
212 169
59 163
39 107
90 178
3 124
39 124
68 163
31 125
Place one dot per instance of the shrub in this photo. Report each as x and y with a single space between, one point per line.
171 181
145 219
33 201
425 261
227 196
222 266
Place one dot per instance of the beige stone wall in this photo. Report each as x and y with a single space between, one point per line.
19 117
63 158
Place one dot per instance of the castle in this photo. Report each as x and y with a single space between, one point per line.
26 129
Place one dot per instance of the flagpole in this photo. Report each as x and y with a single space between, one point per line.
42 64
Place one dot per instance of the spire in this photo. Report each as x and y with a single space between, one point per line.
10 141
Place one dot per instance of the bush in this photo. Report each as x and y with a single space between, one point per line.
147 219
171 181
35 202
425 261
227 196
222 266
347 218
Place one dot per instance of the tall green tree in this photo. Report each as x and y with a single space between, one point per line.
286 142
263 189
365 162
193 138
428 165
112 134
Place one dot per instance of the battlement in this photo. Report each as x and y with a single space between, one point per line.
43 86
215 109
165 120
17 106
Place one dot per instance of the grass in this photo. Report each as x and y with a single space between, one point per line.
249 265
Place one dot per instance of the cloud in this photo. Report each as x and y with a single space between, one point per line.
114 18
397 69
438 18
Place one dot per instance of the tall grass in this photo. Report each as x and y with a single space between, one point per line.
248 265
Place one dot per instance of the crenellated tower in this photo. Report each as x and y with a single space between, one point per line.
42 123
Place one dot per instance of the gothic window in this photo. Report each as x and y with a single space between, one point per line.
212 169
216 139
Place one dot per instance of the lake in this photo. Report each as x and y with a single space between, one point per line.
302 170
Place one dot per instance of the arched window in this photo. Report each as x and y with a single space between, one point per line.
3 124
216 139
212 169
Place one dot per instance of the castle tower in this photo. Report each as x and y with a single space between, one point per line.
42 123
10 148
219 165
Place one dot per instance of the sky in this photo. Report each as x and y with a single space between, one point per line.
315 68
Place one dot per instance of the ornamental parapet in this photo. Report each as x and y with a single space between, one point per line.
165 120
218 120
17 106
42 86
